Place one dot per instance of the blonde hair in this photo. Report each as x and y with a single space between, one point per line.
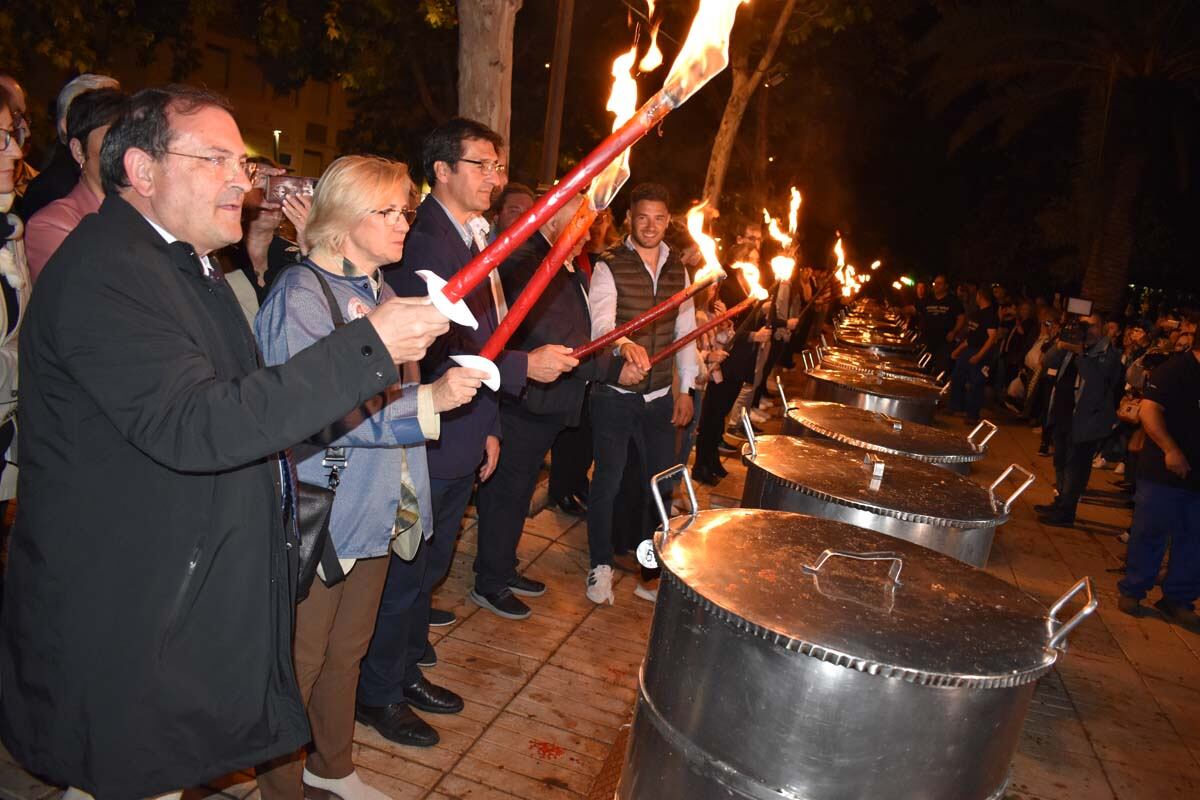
351 188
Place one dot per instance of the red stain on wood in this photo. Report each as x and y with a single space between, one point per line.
546 750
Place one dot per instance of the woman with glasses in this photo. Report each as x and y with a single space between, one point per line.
14 283
359 219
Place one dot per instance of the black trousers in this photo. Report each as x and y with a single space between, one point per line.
1072 466
718 402
571 458
402 624
503 500
619 421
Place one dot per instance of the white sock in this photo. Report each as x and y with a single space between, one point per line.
350 787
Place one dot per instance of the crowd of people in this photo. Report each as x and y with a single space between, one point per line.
269 449
1120 392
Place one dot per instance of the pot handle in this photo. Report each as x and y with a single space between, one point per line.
678 469
782 397
982 424
938 378
1058 640
749 427
883 555
945 388
925 359
1029 478
809 359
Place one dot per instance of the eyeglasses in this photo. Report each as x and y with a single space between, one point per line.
229 164
20 134
392 215
487 167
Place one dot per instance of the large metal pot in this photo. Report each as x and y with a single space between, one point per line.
792 657
891 494
918 364
873 365
908 400
879 433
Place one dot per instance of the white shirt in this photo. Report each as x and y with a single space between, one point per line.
207 265
602 297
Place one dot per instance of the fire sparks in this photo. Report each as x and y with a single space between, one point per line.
775 231
705 52
782 267
708 247
622 102
754 278
794 211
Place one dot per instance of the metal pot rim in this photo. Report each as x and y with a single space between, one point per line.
930 458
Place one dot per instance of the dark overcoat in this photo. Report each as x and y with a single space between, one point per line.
145 644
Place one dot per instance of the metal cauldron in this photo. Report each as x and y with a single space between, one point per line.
879 433
792 657
910 400
918 365
891 494
863 362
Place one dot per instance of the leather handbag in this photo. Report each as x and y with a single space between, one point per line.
314 503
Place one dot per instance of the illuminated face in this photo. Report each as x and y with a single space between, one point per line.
10 156
469 185
514 206
650 219
376 240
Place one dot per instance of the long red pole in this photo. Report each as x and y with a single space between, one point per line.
688 338
574 231
644 319
641 123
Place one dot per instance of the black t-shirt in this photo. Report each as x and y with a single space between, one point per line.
980 321
938 317
1175 385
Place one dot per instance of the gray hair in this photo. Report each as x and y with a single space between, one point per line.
86 82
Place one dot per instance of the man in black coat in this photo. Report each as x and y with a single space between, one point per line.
146 630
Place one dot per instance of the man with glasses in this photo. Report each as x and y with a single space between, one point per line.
146 635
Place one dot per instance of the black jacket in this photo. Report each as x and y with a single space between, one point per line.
145 643
561 316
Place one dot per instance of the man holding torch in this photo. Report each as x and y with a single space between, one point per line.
647 403
461 160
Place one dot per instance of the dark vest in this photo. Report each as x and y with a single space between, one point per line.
635 295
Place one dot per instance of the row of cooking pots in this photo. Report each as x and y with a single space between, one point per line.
840 644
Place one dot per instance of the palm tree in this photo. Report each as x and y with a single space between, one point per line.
1128 70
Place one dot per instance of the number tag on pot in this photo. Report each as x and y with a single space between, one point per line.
645 555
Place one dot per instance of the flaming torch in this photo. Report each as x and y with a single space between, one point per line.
757 295
708 275
794 212
704 54
622 101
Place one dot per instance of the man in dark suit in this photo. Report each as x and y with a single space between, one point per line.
531 421
146 640
461 160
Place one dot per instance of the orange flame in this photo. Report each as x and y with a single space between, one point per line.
622 102
782 267
654 57
794 211
708 247
705 52
754 278
775 231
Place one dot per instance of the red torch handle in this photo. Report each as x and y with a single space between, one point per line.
575 230
644 319
677 345
572 184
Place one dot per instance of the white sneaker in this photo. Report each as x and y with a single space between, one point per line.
350 787
646 592
599 585
766 403
1120 469
758 417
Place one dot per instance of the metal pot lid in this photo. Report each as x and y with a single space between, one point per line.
874 383
881 366
860 599
880 433
890 485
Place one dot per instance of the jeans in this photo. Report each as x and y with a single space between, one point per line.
402 624
1164 514
1072 466
570 460
718 401
504 498
967 385
619 420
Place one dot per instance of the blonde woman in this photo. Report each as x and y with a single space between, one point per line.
359 219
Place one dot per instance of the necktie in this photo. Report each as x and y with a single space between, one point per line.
479 229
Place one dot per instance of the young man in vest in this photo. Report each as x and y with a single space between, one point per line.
648 404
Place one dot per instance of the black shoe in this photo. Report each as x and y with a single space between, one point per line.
1057 520
1046 508
1043 451
1129 605
728 448
439 618
572 504
425 696
526 587
397 723
502 604
718 470
429 657
705 475
1179 615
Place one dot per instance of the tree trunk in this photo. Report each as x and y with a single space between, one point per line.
485 54
745 83
1108 262
760 186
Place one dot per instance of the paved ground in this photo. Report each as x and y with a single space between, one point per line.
1118 718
